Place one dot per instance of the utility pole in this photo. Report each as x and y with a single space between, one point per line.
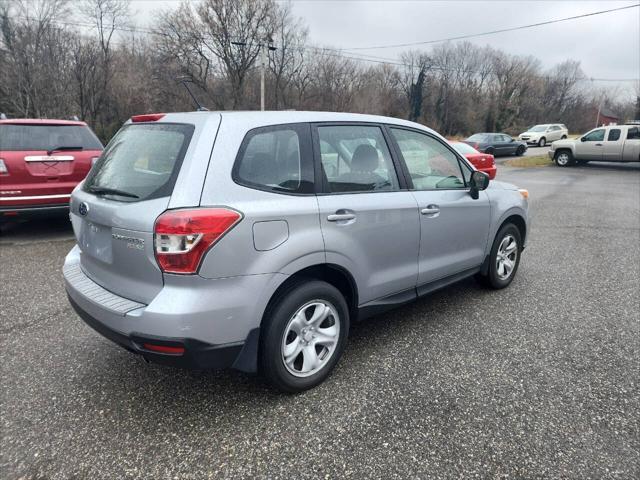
263 61
599 109
264 48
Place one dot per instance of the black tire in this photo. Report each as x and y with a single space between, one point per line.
490 151
542 142
492 279
564 158
564 137
520 151
273 331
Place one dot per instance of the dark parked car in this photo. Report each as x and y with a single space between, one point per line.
496 144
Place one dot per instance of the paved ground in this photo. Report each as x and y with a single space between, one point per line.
536 381
531 152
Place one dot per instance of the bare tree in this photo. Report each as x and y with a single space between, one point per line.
106 16
234 31
32 50
49 69
417 65
286 62
512 78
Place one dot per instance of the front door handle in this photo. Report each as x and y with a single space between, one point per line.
341 217
598 144
430 210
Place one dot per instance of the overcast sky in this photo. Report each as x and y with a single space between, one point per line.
608 45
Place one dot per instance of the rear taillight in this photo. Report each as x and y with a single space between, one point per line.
3 167
182 237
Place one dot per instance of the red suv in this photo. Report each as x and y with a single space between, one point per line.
41 162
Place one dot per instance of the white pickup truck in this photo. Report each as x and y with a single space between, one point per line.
615 143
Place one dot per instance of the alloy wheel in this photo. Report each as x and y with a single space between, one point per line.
310 338
506 257
562 159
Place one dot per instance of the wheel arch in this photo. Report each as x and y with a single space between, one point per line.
520 224
333 274
513 217
563 149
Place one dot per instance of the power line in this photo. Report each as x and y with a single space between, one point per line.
492 32
348 54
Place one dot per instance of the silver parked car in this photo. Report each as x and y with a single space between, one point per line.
615 143
541 135
252 239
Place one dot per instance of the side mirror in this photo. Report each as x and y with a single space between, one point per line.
513 139
583 139
479 181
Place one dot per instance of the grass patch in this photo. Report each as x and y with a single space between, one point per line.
536 161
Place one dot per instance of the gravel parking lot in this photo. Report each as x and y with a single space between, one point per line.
538 380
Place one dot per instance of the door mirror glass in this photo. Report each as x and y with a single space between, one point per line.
582 139
479 181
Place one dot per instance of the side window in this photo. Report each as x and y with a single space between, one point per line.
633 134
595 136
614 135
333 164
355 158
276 158
431 164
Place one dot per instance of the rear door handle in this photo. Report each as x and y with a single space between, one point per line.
430 210
341 217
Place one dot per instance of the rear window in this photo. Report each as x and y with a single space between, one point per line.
46 137
478 137
463 148
141 162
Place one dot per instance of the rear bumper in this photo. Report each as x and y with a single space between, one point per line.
197 354
32 210
212 319
34 204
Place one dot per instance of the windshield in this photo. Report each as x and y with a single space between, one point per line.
478 137
463 148
15 137
538 128
141 162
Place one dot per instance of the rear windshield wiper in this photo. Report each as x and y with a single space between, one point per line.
111 191
60 149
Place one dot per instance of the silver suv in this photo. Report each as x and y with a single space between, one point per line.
251 240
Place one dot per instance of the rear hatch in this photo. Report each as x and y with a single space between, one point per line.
44 162
114 211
